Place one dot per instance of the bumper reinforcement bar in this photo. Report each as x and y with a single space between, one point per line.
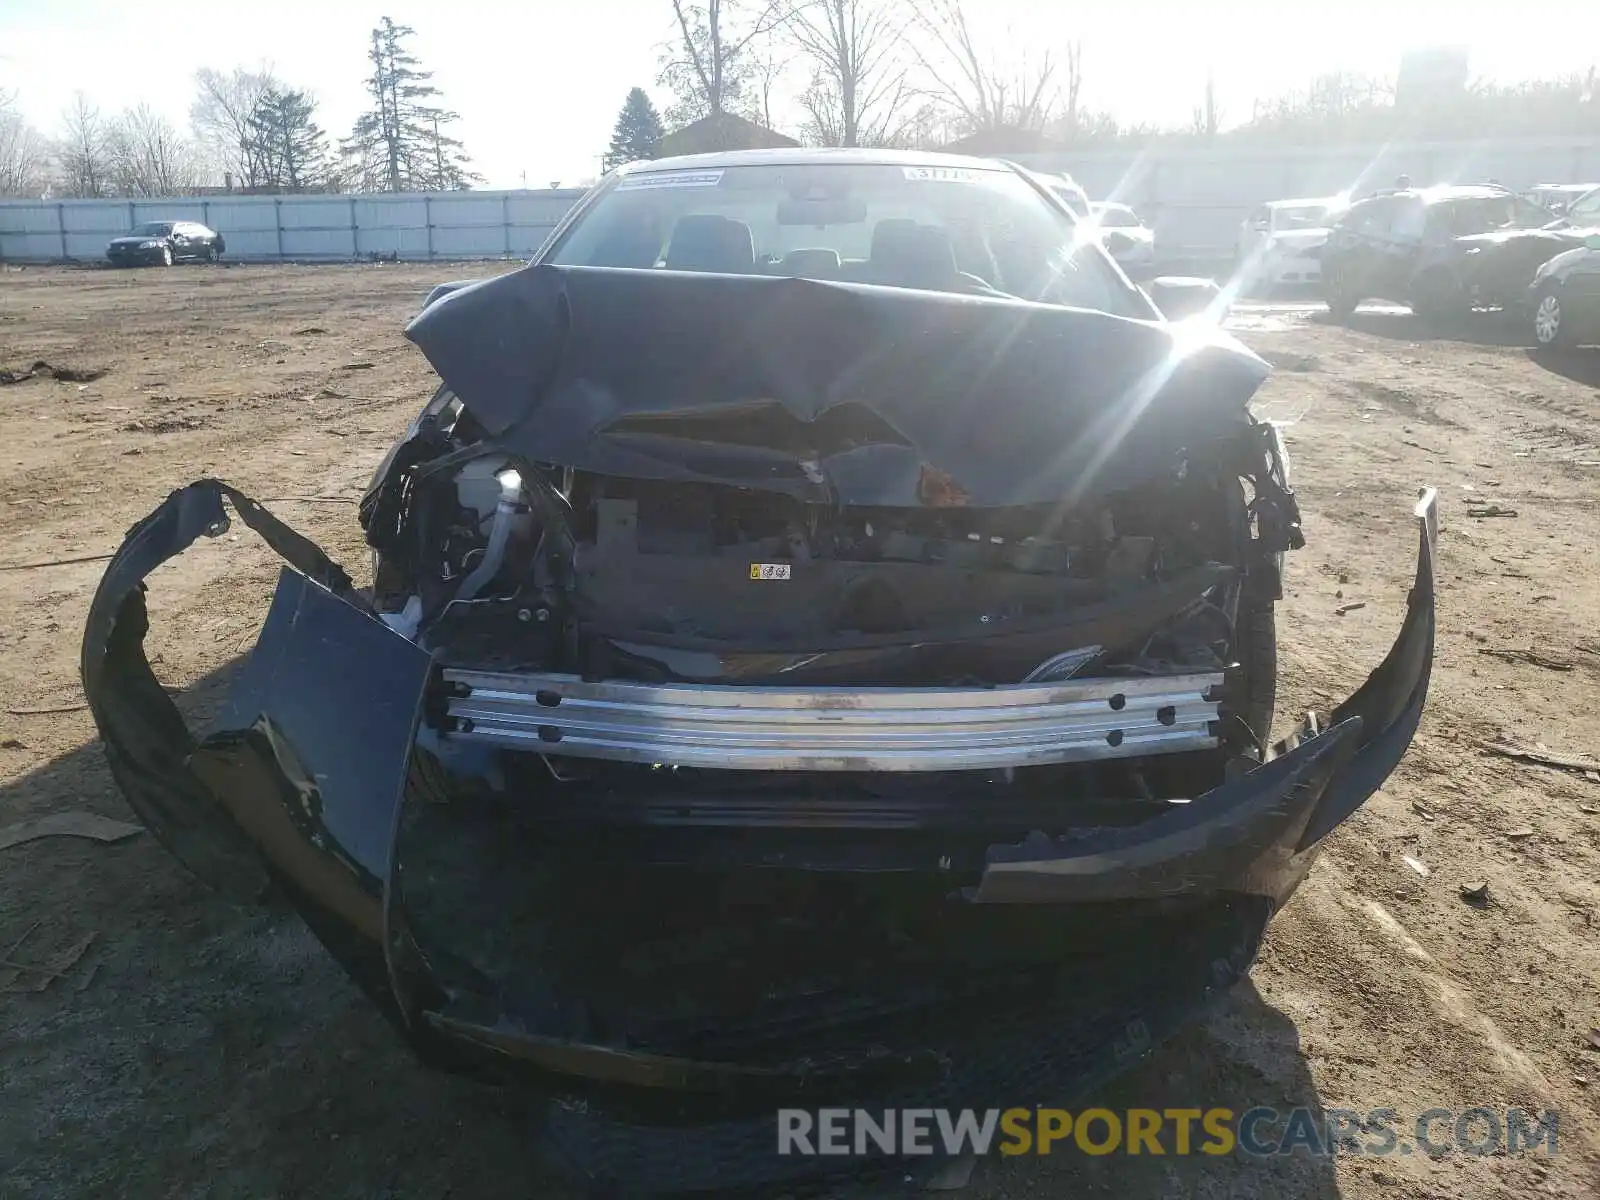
835 728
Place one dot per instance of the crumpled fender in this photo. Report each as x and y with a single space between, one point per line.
1256 833
300 780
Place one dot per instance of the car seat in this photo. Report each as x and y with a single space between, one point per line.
701 242
811 263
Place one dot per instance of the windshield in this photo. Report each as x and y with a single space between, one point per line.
153 229
1115 217
971 230
1587 210
1300 216
1486 214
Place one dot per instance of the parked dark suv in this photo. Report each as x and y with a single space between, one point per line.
1441 250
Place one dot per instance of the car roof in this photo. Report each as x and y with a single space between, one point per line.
790 156
1439 194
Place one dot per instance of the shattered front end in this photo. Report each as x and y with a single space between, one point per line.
694 761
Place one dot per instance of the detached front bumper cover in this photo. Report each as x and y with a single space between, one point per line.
301 782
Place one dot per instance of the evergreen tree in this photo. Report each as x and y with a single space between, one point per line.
399 144
638 131
292 147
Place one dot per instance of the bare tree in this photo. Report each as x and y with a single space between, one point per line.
987 92
767 71
1072 113
149 157
222 115
83 151
858 84
710 65
1207 117
23 153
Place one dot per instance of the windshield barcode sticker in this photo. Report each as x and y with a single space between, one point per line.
669 179
943 174
769 570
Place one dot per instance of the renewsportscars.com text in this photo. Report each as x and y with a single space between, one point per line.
1257 1131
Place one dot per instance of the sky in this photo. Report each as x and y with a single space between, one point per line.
538 85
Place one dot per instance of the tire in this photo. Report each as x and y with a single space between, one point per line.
1550 328
1256 638
1341 302
166 256
210 255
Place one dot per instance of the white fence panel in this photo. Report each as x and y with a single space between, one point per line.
1194 198
267 228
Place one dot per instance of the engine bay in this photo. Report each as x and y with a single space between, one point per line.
496 562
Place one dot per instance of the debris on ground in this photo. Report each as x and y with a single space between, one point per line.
1531 657
49 711
164 425
1351 607
43 370
1594 1039
36 977
1476 894
54 562
1490 510
954 1175
1520 835
1421 811
67 824
1541 757
358 366
1416 864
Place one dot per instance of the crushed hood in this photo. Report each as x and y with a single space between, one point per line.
825 390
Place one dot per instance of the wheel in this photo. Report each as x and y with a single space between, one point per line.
1549 329
166 256
1340 297
1256 645
210 255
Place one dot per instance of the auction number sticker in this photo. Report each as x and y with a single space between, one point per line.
769 570
943 175
669 179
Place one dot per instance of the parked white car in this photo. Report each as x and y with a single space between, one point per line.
1070 192
1280 243
1126 238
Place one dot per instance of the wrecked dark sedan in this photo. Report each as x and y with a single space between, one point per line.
821 651
165 242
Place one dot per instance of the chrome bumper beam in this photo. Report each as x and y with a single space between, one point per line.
836 728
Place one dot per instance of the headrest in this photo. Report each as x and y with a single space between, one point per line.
811 261
709 243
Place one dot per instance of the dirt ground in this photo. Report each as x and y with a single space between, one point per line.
196 1049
